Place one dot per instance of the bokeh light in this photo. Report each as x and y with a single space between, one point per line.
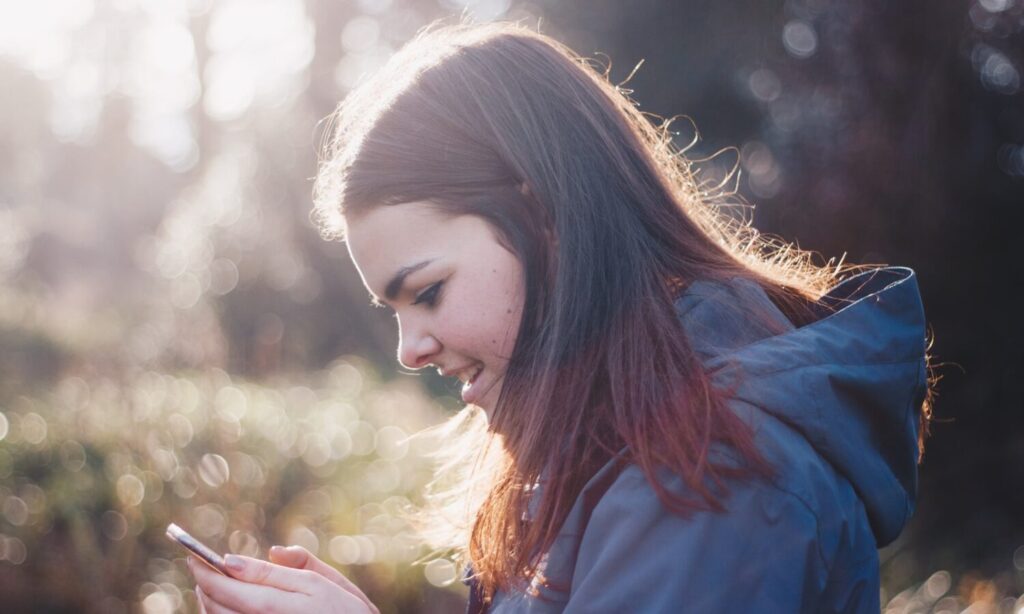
800 39
439 572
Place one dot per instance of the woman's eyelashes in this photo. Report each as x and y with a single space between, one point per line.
430 295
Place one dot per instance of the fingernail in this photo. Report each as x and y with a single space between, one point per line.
277 549
234 563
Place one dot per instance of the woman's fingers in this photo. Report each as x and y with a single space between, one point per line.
200 599
224 594
214 608
300 558
256 571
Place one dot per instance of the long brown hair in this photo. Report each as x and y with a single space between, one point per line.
611 224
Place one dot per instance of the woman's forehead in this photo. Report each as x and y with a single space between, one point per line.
396 227
385 239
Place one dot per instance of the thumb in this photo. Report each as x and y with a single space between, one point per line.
255 571
300 558
292 556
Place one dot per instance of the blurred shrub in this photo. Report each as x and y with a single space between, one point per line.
92 473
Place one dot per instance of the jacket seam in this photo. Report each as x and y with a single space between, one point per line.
817 523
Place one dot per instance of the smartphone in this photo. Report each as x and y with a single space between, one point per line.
180 536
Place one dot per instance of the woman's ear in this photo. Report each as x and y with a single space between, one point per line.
552 239
524 189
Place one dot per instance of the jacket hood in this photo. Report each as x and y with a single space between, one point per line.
852 382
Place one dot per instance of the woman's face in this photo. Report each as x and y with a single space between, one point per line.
457 293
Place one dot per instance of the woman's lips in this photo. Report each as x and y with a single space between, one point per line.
471 389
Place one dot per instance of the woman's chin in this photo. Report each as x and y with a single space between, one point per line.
483 390
485 400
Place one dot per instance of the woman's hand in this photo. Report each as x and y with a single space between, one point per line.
296 581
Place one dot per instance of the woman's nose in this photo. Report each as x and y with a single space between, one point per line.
415 347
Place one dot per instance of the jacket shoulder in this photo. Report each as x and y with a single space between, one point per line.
638 555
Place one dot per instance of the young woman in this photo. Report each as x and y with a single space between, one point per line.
679 414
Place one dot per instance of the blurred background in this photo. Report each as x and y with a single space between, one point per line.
177 343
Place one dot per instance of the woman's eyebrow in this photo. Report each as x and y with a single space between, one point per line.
394 287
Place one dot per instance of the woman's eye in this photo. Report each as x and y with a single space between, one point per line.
429 296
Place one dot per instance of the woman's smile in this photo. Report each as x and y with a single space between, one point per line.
468 376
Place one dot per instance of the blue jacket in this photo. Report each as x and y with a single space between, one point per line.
834 406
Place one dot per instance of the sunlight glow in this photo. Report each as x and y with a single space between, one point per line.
260 50
34 33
